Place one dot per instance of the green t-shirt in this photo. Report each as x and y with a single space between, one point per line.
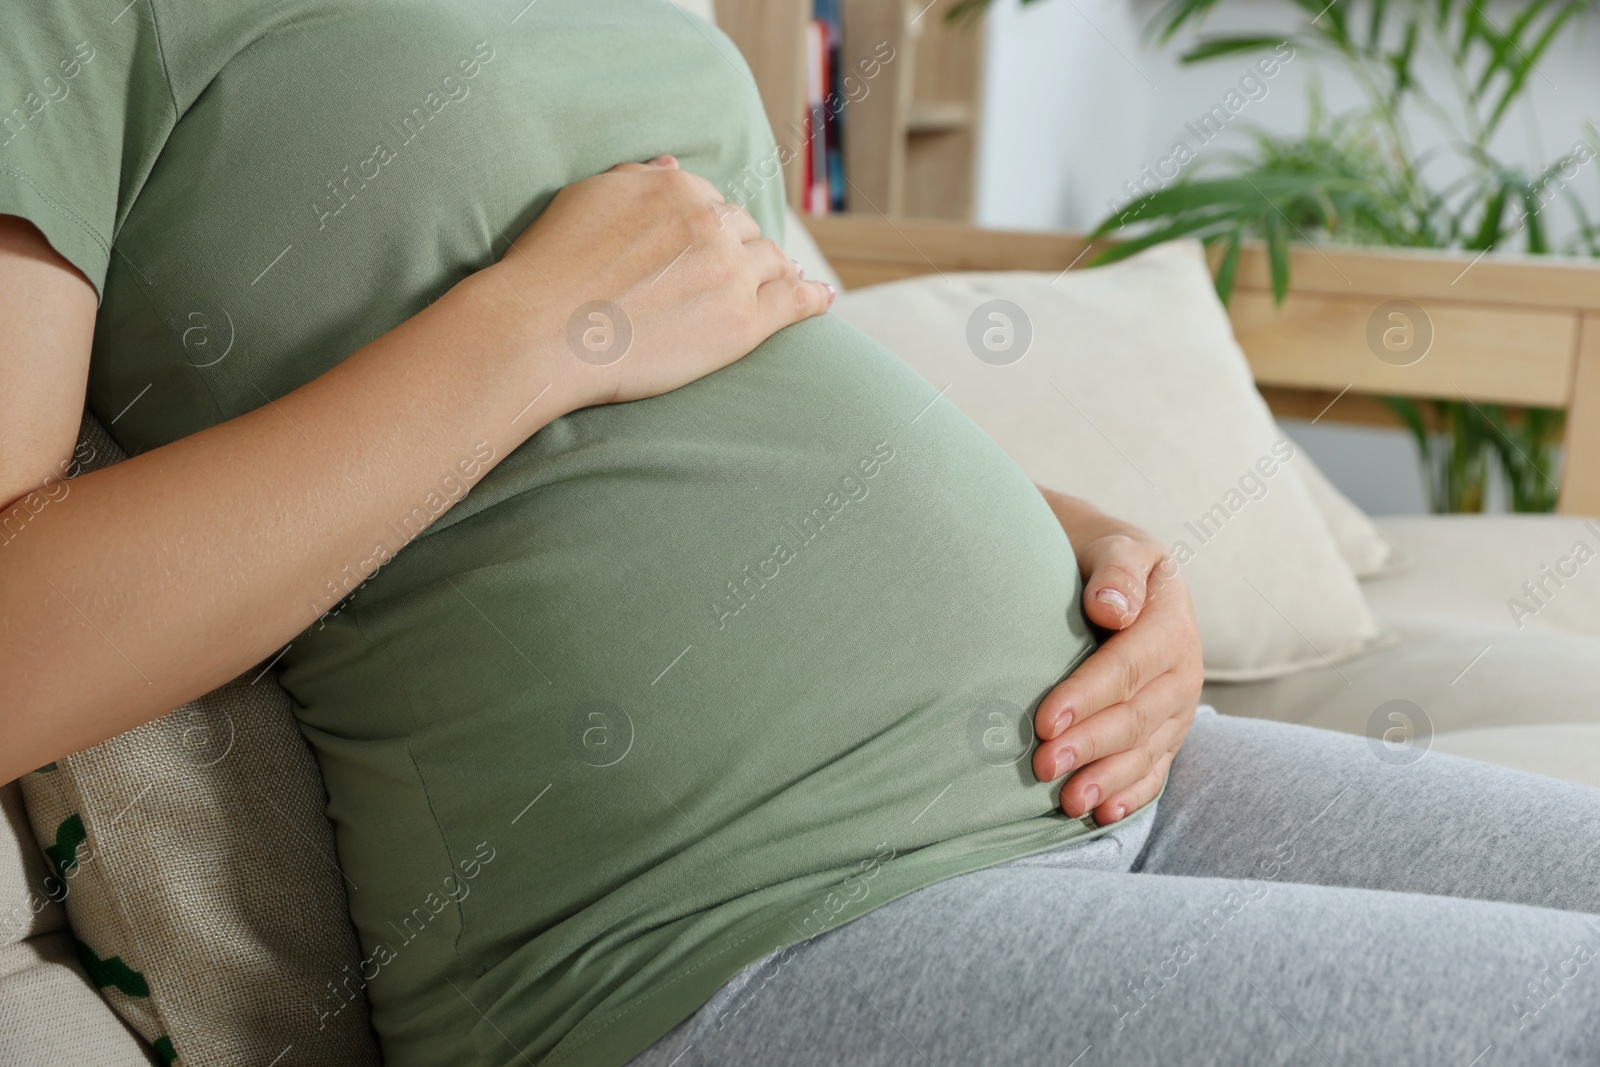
679 682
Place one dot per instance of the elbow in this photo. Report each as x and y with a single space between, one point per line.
24 493
20 505
14 520
17 515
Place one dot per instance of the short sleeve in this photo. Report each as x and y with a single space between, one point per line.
85 106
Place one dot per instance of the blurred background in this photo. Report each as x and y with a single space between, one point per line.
1079 97
1462 125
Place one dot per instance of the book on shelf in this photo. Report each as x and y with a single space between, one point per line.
823 188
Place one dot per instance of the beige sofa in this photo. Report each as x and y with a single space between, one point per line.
1526 697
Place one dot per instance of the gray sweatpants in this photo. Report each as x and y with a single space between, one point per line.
1293 899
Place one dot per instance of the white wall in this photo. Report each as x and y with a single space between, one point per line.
1077 104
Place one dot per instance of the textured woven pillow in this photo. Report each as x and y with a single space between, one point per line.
200 877
1124 385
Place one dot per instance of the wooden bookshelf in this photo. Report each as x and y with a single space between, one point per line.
911 138
941 130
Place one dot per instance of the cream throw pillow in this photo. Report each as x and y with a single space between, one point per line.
1131 392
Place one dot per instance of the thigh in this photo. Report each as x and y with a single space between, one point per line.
1253 799
1032 967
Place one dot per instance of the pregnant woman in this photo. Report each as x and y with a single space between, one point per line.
784 720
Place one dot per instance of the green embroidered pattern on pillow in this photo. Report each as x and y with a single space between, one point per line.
112 972
64 853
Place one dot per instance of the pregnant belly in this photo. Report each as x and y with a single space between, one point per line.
679 652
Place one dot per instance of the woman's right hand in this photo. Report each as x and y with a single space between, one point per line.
653 280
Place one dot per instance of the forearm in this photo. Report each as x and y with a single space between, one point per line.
153 581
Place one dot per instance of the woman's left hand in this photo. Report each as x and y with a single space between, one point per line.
1118 720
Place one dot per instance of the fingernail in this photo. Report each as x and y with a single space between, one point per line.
1064 762
1118 812
831 293
1091 797
664 161
1062 721
798 269
1114 597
